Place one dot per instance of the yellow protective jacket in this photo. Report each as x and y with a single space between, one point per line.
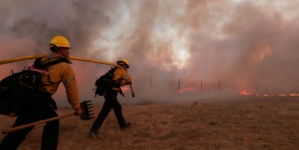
64 73
121 75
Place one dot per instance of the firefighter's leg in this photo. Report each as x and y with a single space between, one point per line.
51 131
118 113
117 108
102 115
14 139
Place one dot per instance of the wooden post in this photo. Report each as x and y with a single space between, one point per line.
219 85
257 88
234 89
179 86
151 83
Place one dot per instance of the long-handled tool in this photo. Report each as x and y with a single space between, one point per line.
22 58
86 115
133 94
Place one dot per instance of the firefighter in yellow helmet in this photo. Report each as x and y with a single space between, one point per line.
43 106
121 78
59 44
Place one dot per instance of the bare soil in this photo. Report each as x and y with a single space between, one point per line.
248 123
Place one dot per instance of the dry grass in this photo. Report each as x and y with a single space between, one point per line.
248 123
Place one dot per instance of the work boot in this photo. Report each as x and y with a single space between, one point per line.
126 125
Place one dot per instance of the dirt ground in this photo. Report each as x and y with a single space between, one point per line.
243 123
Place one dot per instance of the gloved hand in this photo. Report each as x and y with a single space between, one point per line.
128 83
122 83
78 111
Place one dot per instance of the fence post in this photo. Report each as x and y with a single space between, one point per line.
234 88
150 83
257 87
179 86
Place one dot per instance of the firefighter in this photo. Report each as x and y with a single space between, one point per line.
42 106
121 78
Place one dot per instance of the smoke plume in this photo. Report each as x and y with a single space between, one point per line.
209 47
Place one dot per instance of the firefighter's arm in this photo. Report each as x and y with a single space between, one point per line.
123 75
126 77
128 81
122 83
70 84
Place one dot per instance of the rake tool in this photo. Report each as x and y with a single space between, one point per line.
86 107
86 115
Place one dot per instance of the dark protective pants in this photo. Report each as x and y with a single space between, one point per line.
110 103
39 109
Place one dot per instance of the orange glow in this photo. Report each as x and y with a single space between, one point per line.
265 95
124 89
276 95
243 92
294 94
186 89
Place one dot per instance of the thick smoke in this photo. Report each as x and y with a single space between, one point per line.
228 46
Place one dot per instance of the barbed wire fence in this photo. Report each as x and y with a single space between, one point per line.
181 85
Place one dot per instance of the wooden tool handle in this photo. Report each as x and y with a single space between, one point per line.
13 129
133 94
22 58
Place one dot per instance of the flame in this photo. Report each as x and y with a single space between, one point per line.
187 89
264 95
294 94
193 88
243 92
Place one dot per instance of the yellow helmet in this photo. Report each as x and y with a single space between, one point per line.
123 61
60 41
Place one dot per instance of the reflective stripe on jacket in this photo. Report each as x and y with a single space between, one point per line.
64 73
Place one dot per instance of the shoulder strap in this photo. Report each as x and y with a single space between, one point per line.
110 73
112 70
38 64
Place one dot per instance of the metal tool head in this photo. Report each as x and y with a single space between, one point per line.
86 107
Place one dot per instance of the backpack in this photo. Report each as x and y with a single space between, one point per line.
105 83
18 89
